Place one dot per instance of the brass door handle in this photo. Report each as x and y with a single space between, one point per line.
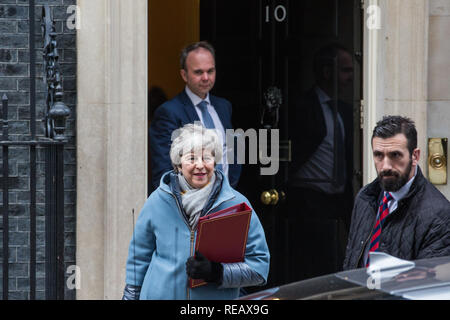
270 197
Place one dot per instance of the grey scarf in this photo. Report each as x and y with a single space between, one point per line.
193 199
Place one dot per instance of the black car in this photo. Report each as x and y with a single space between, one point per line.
387 278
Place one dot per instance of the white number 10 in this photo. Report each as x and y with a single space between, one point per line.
279 13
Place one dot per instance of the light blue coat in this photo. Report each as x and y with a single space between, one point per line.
163 241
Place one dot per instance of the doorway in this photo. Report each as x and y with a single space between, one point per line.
271 56
171 26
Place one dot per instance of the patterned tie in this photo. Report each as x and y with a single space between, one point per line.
383 212
207 121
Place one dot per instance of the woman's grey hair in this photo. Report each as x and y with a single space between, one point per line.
193 137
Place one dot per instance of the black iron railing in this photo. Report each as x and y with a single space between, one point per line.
53 145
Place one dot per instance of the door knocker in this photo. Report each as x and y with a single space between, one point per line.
270 114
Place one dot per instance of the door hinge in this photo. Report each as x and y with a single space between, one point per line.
361 114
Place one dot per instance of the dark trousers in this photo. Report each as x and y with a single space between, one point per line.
317 225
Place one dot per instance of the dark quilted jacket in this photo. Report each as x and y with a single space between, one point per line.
419 227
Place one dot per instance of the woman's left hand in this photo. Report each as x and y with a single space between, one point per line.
199 267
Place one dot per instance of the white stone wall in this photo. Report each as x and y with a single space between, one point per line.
395 71
111 139
438 112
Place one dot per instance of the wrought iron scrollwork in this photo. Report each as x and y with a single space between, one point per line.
56 111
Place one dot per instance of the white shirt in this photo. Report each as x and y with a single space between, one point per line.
320 165
217 123
400 194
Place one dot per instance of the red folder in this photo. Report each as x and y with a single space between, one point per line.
222 236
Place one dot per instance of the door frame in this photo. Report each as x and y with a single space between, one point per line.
387 48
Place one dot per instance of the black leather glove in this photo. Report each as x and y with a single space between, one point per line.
199 267
131 292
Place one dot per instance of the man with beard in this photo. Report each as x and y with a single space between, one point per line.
400 212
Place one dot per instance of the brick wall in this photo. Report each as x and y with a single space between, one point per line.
14 82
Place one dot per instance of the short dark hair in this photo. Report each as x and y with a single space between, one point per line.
325 57
390 126
194 46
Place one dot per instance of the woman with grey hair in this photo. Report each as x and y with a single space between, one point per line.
161 257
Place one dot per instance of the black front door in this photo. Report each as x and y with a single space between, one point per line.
291 70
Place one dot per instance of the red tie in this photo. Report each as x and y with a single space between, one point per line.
383 212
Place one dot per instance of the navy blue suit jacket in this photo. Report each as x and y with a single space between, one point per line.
174 114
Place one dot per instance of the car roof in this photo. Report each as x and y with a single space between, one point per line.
420 279
387 278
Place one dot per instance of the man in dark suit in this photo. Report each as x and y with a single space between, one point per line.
194 103
320 185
